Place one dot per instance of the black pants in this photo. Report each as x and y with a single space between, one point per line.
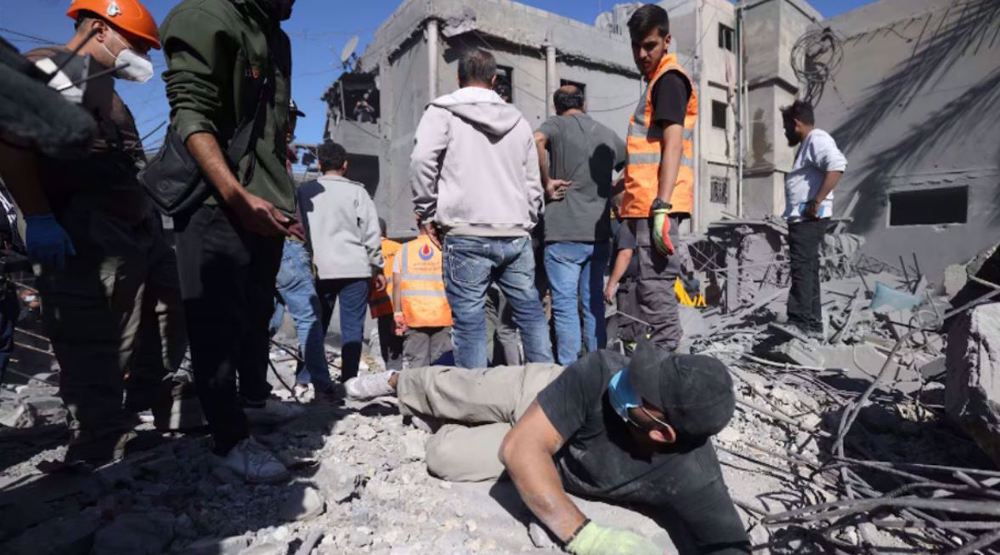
227 282
390 344
804 308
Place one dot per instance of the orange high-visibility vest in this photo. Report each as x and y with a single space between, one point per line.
421 285
380 302
645 148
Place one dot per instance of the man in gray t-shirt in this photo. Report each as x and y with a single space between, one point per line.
577 157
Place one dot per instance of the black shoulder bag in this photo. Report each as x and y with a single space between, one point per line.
173 179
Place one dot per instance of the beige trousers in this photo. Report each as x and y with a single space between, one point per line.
478 407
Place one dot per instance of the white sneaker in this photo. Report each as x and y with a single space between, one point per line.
273 412
253 462
370 386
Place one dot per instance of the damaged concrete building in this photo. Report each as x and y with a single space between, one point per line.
413 58
902 86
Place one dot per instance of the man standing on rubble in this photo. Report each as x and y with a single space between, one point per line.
659 173
474 175
224 58
578 156
817 169
107 278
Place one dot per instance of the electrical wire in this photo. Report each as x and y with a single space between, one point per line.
815 58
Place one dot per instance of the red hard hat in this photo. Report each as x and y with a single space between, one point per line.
127 16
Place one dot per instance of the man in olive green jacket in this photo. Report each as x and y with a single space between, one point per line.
223 57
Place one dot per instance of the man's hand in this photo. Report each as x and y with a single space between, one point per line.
46 241
432 233
812 210
400 322
297 230
258 215
379 279
594 539
609 292
659 221
555 189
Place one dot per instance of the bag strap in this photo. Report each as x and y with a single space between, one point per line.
247 134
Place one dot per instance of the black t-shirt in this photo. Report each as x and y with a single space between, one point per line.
601 459
670 97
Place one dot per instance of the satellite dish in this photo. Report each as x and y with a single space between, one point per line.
349 49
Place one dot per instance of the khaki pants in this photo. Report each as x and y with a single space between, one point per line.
113 312
479 408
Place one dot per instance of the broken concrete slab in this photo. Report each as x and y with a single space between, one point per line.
339 484
972 388
136 533
68 535
218 546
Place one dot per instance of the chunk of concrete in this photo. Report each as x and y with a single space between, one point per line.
139 533
62 536
233 545
338 483
972 388
302 503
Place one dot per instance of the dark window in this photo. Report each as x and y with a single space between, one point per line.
581 86
929 206
720 190
505 83
719 114
727 38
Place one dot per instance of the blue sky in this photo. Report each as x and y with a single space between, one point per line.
319 29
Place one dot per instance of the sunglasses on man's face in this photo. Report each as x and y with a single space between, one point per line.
667 428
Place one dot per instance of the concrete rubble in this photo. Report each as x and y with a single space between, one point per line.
842 444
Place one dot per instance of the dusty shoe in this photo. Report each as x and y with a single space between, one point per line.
98 450
370 386
253 462
271 411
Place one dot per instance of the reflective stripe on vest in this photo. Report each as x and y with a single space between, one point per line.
645 152
421 285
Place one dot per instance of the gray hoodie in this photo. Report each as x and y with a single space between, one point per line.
474 167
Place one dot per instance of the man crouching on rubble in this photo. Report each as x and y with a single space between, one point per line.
632 432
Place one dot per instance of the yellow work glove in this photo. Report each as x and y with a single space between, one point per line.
594 539
660 222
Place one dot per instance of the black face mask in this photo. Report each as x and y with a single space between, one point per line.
793 137
283 8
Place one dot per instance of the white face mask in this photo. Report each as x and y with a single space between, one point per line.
131 65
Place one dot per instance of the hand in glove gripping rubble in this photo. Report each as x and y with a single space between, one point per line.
594 539
46 241
660 222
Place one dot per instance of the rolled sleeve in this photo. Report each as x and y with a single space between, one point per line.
828 157
198 57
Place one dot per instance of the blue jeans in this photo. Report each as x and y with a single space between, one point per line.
353 295
297 292
576 277
470 265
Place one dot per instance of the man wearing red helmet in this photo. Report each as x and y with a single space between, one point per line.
108 279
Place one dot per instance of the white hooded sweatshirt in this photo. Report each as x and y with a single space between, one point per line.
474 167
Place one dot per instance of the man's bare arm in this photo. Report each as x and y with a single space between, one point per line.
555 189
830 181
19 169
255 213
670 161
527 452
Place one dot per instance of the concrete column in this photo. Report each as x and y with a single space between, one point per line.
431 34
551 77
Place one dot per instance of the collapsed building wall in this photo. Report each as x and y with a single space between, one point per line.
914 106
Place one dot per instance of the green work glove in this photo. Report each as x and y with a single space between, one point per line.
594 539
660 222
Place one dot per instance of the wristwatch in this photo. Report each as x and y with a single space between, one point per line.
658 204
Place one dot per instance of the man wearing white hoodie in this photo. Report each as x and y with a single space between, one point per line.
475 181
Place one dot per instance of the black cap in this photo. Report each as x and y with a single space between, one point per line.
695 392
